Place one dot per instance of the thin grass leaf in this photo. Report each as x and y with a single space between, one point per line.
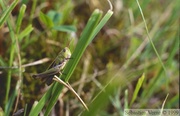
152 44
65 28
2 20
20 17
25 32
19 82
82 44
7 12
33 8
138 86
126 100
101 24
154 82
12 48
25 110
10 103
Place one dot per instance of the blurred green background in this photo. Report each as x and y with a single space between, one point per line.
119 55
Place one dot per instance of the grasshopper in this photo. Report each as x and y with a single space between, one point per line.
56 68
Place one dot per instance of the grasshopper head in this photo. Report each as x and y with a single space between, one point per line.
66 52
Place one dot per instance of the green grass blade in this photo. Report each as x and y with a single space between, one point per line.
101 24
126 100
152 44
25 32
7 12
25 110
12 49
11 58
82 44
10 103
34 5
83 41
153 85
20 17
65 28
138 86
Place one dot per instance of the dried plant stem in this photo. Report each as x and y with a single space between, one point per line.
71 89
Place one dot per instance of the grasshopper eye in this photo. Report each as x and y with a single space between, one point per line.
64 50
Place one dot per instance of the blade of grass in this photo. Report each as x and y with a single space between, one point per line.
46 20
152 44
20 80
7 12
12 51
25 32
10 103
12 47
77 54
126 100
65 28
153 84
138 86
25 110
34 3
20 17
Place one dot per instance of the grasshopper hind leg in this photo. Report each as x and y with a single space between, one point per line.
47 80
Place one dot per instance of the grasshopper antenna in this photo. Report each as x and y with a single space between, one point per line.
68 44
